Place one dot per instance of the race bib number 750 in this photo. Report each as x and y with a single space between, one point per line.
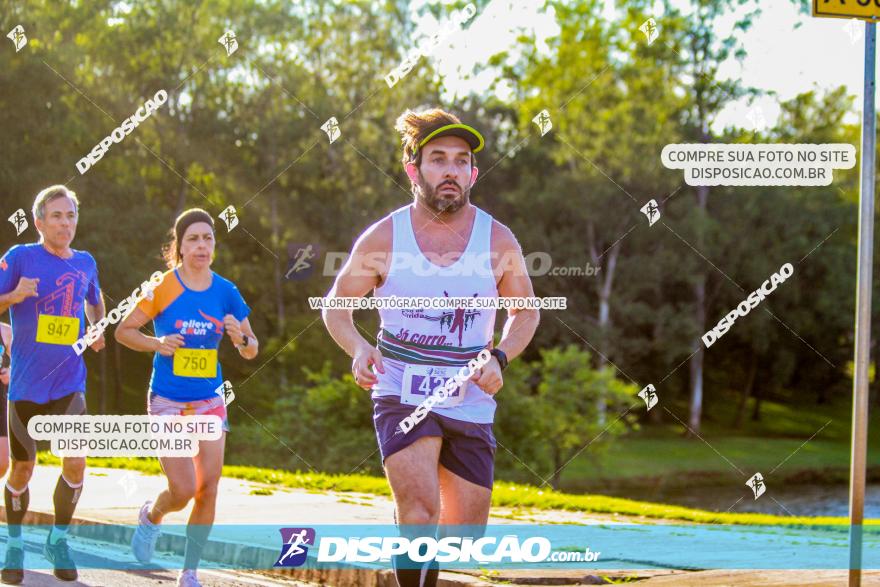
195 363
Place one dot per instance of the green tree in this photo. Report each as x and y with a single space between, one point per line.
548 410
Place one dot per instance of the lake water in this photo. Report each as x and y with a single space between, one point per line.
798 500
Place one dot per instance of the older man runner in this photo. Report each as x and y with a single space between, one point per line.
50 289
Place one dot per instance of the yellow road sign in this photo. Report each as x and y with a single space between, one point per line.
861 9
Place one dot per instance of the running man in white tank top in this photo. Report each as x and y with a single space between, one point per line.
440 466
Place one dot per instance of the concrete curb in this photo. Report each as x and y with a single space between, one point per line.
255 558
216 551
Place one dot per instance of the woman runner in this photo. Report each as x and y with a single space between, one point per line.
190 311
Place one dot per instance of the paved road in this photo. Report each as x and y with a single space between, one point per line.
105 578
94 558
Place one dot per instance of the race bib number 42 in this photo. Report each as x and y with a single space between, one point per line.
57 329
420 381
195 363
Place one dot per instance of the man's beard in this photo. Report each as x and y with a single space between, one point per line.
439 203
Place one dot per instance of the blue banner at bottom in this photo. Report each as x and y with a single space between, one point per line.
514 546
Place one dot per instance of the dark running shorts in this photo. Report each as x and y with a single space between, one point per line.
21 445
3 392
468 449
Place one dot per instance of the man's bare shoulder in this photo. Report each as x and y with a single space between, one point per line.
503 239
377 238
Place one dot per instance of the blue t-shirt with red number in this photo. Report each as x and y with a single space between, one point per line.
44 365
193 372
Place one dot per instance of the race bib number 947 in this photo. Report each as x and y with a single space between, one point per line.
57 329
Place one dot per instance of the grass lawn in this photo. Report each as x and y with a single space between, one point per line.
777 446
671 456
780 443
509 495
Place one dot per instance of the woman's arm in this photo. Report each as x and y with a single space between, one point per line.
237 331
250 351
129 333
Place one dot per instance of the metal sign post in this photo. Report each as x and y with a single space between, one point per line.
863 315
869 12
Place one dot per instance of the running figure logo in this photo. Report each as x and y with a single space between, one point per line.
294 543
17 37
298 266
218 324
756 117
19 221
225 391
543 121
331 127
854 29
129 485
229 41
459 319
757 485
649 27
229 217
652 211
648 394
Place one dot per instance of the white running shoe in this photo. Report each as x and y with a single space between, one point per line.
143 543
187 578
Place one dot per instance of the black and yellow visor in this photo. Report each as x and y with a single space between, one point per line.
468 133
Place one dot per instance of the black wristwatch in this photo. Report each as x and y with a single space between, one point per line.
502 358
244 342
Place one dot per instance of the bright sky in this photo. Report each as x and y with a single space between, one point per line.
788 52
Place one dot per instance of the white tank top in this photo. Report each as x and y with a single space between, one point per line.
445 337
